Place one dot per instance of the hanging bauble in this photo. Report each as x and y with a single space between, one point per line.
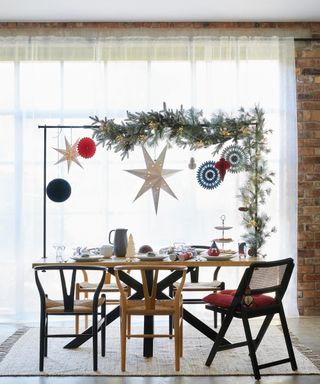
236 156
86 147
58 190
208 176
192 164
222 165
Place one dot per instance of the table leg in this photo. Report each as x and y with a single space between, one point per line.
196 322
148 323
87 334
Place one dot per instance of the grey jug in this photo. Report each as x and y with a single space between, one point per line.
120 241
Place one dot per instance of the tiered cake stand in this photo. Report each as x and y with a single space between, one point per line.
223 240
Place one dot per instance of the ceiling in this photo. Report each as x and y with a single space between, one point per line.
160 10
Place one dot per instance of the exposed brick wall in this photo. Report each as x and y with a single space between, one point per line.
308 106
308 109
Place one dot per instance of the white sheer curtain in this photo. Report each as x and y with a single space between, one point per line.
50 80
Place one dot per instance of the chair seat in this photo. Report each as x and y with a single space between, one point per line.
162 307
85 286
200 286
80 306
224 299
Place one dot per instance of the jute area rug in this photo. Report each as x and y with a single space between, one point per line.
19 356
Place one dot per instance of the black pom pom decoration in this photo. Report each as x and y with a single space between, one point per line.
58 190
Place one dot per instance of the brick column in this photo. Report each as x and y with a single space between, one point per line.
308 109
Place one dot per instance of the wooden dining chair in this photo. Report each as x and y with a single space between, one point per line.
69 306
150 305
86 288
252 299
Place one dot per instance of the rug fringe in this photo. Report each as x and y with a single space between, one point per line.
306 351
11 340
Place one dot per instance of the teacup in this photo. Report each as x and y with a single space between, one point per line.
106 250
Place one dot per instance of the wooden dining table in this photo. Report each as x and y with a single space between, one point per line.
193 266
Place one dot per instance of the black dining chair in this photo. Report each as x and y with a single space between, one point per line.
252 299
68 306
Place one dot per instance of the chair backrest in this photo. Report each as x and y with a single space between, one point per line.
266 277
68 293
149 277
107 279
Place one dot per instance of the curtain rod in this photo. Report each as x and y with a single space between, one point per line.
306 39
65 126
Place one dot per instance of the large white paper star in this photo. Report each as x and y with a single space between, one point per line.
70 154
154 176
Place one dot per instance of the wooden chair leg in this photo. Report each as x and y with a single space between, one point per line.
223 329
177 342
287 339
181 332
251 346
129 327
123 338
95 341
129 317
86 296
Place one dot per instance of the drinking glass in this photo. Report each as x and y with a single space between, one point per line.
59 252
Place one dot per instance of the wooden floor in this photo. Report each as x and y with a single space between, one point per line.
306 328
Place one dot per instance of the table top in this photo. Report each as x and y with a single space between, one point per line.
115 261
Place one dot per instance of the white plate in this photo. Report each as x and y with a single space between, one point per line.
220 257
151 258
87 258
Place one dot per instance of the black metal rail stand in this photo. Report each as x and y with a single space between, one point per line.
44 220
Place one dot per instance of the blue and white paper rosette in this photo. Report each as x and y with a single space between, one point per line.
236 156
208 176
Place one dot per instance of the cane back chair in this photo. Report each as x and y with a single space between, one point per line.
252 299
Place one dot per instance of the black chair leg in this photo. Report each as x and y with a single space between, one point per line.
42 340
251 346
219 337
262 330
287 339
103 329
215 319
46 338
95 341
170 317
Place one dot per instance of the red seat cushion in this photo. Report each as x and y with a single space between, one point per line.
224 299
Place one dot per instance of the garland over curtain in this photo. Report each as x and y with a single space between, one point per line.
55 80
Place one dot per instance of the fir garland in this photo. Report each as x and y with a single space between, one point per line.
254 192
185 128
188 128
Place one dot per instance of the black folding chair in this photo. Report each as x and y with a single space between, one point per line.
68 306
250 301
